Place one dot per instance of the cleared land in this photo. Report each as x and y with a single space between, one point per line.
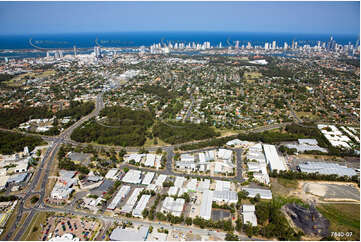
343 218
332 192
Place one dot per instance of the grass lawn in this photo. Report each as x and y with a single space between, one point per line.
224 131
343 218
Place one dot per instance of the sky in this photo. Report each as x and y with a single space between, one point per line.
101 17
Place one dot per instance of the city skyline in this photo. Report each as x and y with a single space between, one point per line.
85 17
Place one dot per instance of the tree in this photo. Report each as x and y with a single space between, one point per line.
159 151
145 213
231 237
34 199
189 221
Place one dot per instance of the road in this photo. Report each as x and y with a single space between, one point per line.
47 161
186 117
42 174
135 221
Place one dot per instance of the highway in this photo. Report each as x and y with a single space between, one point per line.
41 175
47 161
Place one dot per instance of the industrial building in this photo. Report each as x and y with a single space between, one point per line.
225 196
132 176
192 185
112 174
138 210
305 145
204 185
225 155
272 158
223 185
148 178
128 207
249 216
326 169
175 207
120 195
335 136
206 205
179 181
161 178
172 191
130 234
252 192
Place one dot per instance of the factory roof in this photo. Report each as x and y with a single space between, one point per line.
120 234
273 159
132 176
249 215
122 193
137 212
173 206
206 205
161 178
226 196
223 185
148 178
204 185
111 174
179 181
128 207
252 192
172 191
326 168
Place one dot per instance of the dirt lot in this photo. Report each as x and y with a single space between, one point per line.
322 191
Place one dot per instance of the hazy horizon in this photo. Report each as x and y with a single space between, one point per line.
18 18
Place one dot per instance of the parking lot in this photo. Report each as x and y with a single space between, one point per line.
59 225
220 214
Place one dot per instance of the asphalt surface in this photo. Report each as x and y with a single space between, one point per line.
46 161
64 137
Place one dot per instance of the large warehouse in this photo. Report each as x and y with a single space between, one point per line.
272 158
326 169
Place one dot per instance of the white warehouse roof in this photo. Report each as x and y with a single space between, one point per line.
206 205
137 212
120 195
128 207
132 176
326 168
273 159
148 178
252 192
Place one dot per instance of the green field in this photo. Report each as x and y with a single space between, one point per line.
343 218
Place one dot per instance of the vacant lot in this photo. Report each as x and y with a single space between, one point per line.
282 186
329 192
343 218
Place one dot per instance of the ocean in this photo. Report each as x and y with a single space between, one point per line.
11 45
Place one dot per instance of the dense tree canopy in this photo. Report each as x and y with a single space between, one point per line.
12 142
122 126
174 132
